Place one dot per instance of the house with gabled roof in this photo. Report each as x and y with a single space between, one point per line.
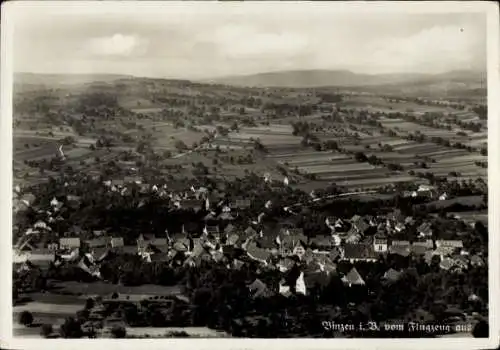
352 236
288 242
425 229
193 204
299 249
330 221
211 230
267 240
476 260
402 250
380 244
361 226
443 252
457 244
259 289
400 243
322 242
392 275
250 231
447 264
225 217
428 244
399 227
69 242
147 242
418 250
117 242
461 262
356 218
240 203
233 239
98 242
353 278
229 229
359 252
258 254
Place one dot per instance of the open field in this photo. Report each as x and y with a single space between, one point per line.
465 200
159 332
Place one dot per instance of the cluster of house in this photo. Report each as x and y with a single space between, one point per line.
360 239
426 191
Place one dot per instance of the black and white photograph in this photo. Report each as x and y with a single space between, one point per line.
249 170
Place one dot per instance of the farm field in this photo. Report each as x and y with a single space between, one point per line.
340 169
472 216
464 200
463 164
373 103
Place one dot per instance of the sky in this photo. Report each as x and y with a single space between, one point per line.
208 42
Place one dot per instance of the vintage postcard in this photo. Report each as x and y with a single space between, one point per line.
238 174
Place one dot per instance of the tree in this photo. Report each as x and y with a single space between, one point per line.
71 328
331 145
180 145
481 330
46 330
360 157
26 318
118 332
89 303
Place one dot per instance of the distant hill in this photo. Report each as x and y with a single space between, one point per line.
29 81
344 78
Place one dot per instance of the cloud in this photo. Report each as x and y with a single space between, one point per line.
433 49
246 42
116 45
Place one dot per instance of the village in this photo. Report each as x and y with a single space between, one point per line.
233 234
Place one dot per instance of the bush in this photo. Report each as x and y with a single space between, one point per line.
118 332
46 330
26 318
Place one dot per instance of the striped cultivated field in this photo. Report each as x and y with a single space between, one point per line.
463 164
339 168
